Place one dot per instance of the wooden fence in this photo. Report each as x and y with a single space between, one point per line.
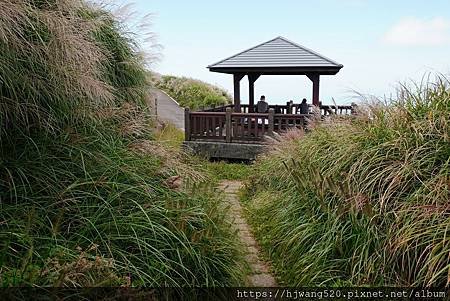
223 124
230 126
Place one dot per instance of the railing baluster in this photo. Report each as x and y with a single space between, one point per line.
240 127
235 129
271 122
202 126
263 127
208 126
245 128
194 123
228 125
187 125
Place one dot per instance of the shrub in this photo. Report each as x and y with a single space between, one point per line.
84 192
191 93
362 201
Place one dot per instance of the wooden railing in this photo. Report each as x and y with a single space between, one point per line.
222 124
250 127
229 126
292 108
337 110
283 122
205 125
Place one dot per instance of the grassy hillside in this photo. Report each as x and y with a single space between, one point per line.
191 93
362 201
87 196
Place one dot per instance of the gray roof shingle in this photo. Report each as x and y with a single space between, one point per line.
276 53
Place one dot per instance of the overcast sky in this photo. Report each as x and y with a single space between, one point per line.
379 42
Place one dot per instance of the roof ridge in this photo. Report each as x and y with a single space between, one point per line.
309 50
234 55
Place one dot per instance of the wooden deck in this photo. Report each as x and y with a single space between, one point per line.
223 125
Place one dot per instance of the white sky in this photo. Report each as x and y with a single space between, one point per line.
379 42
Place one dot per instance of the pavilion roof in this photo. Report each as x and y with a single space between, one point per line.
277 56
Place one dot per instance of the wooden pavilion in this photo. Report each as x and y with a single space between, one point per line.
278 56
237 131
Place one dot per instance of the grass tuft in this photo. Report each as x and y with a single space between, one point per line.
362 201
85 194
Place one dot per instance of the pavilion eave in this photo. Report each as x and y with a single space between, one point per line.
277 70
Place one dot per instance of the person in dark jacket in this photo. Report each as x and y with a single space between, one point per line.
262 106
304 107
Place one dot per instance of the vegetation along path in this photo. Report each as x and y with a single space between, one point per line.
260 270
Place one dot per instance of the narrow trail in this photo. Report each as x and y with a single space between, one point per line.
260 270
168 109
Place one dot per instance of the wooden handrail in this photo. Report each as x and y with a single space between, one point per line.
293 115
338 106
208 113
294 105
254 115
217 109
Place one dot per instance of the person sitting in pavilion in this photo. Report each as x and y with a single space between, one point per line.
262 106
304 107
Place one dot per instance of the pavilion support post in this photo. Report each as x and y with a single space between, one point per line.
237 91
251 91
228 127
315 78
187 124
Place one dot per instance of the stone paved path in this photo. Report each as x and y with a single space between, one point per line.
260 270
